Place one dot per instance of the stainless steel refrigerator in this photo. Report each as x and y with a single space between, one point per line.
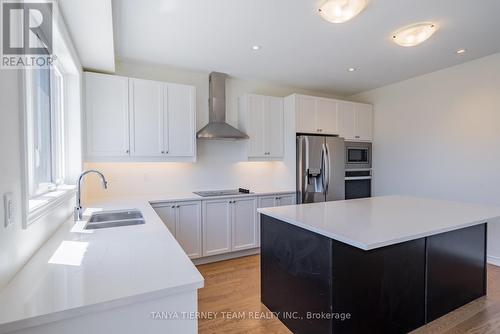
320 168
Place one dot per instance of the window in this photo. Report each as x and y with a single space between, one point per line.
45 130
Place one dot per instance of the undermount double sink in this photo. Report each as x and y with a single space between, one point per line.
115 218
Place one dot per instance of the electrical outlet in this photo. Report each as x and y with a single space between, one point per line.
8 206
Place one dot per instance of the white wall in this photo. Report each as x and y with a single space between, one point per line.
220 164
438 135
17 245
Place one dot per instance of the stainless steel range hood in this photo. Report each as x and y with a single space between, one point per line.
217 128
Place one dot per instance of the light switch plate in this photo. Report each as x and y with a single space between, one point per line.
8 209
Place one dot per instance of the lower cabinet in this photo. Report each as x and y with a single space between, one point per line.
244 224
229 225
183 219
218 226
270 201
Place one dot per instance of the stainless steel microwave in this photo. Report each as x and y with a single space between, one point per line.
358 155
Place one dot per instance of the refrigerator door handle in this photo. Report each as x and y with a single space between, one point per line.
327 167
324 167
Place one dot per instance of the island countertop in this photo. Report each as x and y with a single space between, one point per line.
382 221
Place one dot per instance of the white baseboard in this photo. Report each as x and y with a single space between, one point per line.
494 260
227 256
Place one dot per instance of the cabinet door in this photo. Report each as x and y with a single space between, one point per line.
264 202
166 211
347 120
256 110
274 127
179 118
364 121
326 116
286 200
106 99
267 202
188 228
244 224
216 227
306 114
146 118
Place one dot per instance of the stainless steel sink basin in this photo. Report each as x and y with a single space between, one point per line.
105 219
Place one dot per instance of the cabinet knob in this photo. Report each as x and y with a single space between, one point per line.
127 151
173 207
162 152
356 136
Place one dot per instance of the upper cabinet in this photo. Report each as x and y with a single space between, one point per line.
355 121
180 121
262 118
146 118
106 99
139 120
317 115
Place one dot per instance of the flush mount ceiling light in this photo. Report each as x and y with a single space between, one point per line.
351 69
461 51
256 47
338 11
414 34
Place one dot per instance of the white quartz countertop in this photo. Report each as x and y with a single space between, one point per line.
79 271
382 221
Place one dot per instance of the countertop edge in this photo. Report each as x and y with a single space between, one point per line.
98 307
372 246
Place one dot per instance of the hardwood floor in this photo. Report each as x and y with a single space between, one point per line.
230 303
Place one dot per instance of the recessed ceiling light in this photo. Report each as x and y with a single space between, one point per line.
351 69
461 51
338 11
256 47
414 34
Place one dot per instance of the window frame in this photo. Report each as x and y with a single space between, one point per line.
36 187
41 200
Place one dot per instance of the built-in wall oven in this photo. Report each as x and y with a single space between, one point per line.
358 170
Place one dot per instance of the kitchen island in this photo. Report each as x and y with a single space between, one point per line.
379 265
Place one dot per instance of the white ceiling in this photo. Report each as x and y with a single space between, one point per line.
90 24
298 48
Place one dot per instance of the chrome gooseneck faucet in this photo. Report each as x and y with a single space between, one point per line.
78 208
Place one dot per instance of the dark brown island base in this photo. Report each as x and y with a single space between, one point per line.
316 284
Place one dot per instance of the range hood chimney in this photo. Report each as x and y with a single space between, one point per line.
217 128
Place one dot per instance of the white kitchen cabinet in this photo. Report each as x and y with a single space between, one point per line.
316 115
364 121
188 228
269 201
355 121
183 219
347 120
146 117
139 120
306 114
262 118
216 227
167 213
286 199
180 121
244 223
107 118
